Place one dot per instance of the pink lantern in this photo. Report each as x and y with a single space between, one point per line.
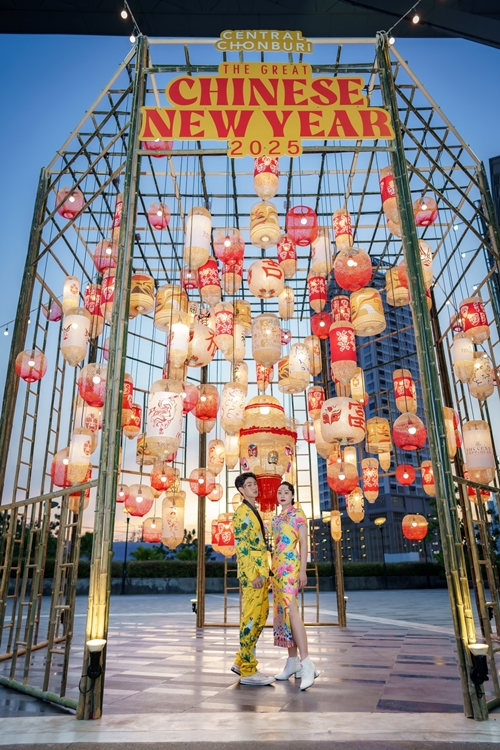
127 398
343 351
264 377
140 500
122 493
59 469
216 494
287 255
152 530
352 269
105 255
408 432
72 201
316 286
202 482
308 432
209 282
320 324
207 405
162 476
425 211
302 225
341 308
158 145
133 426
189 279
92 303
159 215
92 383
108 293
31 365
266 175
190 397
229 246
53 312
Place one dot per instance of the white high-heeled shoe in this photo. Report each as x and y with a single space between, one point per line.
292 667
308 673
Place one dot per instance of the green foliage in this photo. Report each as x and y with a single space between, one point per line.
354 570
86 542
149 553
188 548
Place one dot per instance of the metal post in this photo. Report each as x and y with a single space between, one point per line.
386 581
456 573
200 562
124 569
90 705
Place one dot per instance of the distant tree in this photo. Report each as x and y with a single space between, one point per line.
148 553
188 549
86 541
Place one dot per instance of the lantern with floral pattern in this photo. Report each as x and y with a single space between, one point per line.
405 393
342 228
133 427
316 286
481 384
369 468
388 195
108 293
209 282
343 351
266 176
342 421
264 376
287 255
428 484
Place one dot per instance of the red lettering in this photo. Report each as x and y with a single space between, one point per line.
173 91
325 95
226 123
238 92
220 91
350 92
291 92
156 123
306 123
275 70
187 124
376 118
341 121
274 121
258 85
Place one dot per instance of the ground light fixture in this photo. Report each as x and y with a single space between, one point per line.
479 670
94 669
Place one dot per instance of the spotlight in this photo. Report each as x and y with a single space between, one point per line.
455 227
416 18
124 14
95 646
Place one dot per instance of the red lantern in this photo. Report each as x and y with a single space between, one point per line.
59 469
308 432
320 324
202 482
127 398
408 432
133 426
207 405
341 308
302 225
266 175
268 490
425 211
342 228
428 483
315 400
105 255
405 474
341 477
162 476
474 320
72 201
122 493
352 269
140 500
92 383
229 246
190 396
152 530
189 279
287 255
158 145
159 215
31 365
414 527
317 291
388 194
343 351
209 282
485 495
369 468
216 494
264 377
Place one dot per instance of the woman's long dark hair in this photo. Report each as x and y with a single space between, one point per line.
291 488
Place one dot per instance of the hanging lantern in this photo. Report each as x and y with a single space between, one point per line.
178 340
342 478
202 346
71 294
207 405
370 478
215 534
315 360
92 303
105 255
169 298
140 500
425 211
162 476
342 421
367 312
266 339
216 456
232 450
53 312
426 261
342 389
172 514
405 474
31 365
133 427
266 176
320 324
264 225
74 499
408 432
343 351
142 294
266 279
80 449
117 218
405 393
352 269
264 376
428 478
385 461
144 456
190 397
224 326
59 469
286 303
449 423
188 278
308 432
287 255
315 400
485 495
105 349
358 391
151 530
378 437
201 482
342 228
216 494
316 286
198 237
225 535
302 225
232 278
157 145
229 246
355 505
122 493
209 282
87 416
164 428
75 336
323 448
204 426
335 525
341 308
478 449
232 408
397 294
243 314
463 357
321 253
108 294
159 215
350 455
414 527
388 195
240 374
92 383
481 384
474 320
299 366
70 202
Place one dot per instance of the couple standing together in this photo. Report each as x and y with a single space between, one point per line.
288 575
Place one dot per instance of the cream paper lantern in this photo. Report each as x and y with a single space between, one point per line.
299 365
397 294
216 456
428 484
342 228
266 278
108 293
198 234
243 314
385 460
378 436
358 390
202 346
71 294
287 255
169 298
286 303
264 225
323 448
240 374
405 393
350 455
204 426
164 427
342 421
224 326
142 294
237 351
266 339
178 346
369 468
232 450
266 176
315 361
355 505
232 278
449 424
367 312
75 335
236 500
463 357
335 525
232 408
481 384
478 449
87 416
172 518
79 455
144 456
321 253
315 400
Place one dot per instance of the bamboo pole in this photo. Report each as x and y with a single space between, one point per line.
202 502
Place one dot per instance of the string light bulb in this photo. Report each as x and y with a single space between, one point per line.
391 40
416 18
132 38
124 13
6 332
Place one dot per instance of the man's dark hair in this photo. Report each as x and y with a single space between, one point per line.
242 478
291 488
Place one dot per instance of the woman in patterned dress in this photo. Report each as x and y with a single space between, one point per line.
289 570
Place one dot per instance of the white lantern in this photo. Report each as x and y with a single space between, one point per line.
224 326
266 339
321 253
75 335
355 505
164 428
172 512
358 390
264 225
299 363
80 449
216 456
350 455
463 357
178 342
71 294
449 424
342 421
323 447
286 303
202 346
315 362
266 278
198 237
237 351
240 374
478 448
232 408
481 384
232 450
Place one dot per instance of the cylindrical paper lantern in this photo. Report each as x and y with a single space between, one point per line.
164 428
355 505
315 400
350 455
378 437
178 340
144 456
142 294
358 391
266 278
426 261
405 393
484 495
216 456
264 376
385 461
87 416
449 423
79 455
323 448
71 294
224 326
232 450
172 513
198 237
320 324
108 293
232 408
133 427
481 384
388 195
342 228
408 432
266 339
31 365
302 225
190 397
428 478
341 308
232 277
286 303
316 286
201 482
151 530
321 252
207 405
240 374
463 357
59 469
71 200
478 449
397 294
169 298
352 269
75 335
315 361
209 282
343 351
105 255
474 320
74 499
370 478
299 366
159 215
342 421
425 211
92 303
229 246
308 431
225 534
367 312
202 346
335 525
405 474
414 527
287 255
92 383
204 426
264 225
266 176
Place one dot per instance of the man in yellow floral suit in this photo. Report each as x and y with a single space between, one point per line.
253 572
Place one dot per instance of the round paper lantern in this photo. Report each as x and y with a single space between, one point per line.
341 477
355 505
232 408
266 176
320 324
358 391
209 282
316 286
105 255
335 525
264 376
425 211
216 456
59 469
474 321
267 445
198 237
266 279
302 225
225 534
287 255
352 269
266 339
164 428
229 246
31 365
75 335
478 448
343 351
122 493
308 431
151 530
405 393
159 215
481 384
449 423
162 476
414 527
315 400
170 298
286 303
216 494
172 517
428 478
53 312
189 278
232 277
408 432
202 346
140 500
201 482
342 421
142 294
92 383
397 294
71 294
342 228
367 312
485 495
80 449
463 357
321 252
315 360
231 450
405 474
144 456
70 201
378 438
369 468
341 308
388 195
190 397
133 426
207 405
158 145
264 225
268 488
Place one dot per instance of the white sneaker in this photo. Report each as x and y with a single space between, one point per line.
236 669
292 667
257 679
